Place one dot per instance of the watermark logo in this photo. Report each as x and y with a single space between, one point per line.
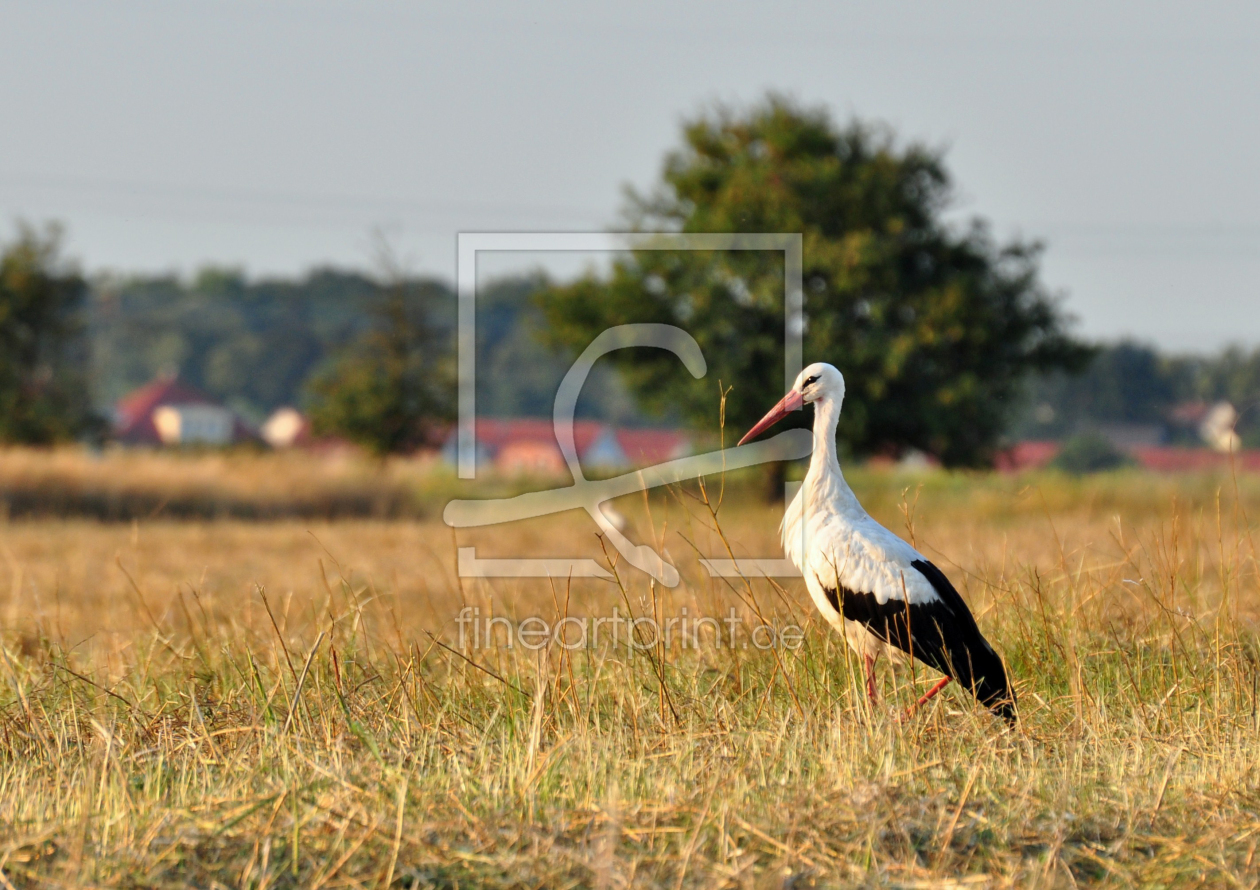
590 494
617 631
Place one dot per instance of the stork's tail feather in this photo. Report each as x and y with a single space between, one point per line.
969 658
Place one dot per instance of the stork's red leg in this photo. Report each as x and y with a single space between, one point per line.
927 696
870 678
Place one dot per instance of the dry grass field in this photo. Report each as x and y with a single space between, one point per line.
282 703
119 484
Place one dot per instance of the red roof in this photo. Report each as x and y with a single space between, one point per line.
1160 458
1189 413
652 446
494 432
1171 460
641 447
1026 456
133 414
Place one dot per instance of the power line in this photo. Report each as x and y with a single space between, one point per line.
141 189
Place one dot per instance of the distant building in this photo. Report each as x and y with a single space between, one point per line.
1027 455
1213 424
528 445
167 412
1188 415
286 428
1217 428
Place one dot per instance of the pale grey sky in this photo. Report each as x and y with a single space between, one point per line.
276 135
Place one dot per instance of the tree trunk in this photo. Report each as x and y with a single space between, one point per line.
773 476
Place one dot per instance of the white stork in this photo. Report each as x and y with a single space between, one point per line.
867 582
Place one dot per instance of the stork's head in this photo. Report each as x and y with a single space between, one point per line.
820 382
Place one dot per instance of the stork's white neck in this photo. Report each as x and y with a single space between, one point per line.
824 479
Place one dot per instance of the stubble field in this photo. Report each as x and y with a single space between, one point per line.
250 703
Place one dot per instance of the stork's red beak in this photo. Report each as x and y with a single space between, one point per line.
790 402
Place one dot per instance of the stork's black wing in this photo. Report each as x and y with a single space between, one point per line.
941 633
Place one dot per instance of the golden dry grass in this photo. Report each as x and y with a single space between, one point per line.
122 484
262 704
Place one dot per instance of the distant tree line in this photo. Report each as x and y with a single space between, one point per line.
370 358
251 344
1132 383
373 358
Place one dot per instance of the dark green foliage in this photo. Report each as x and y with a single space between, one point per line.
393 388
43 348
1133 383
1233 375
518 373
251 344
1126 383
1089 453
1123 383
934 329
257 345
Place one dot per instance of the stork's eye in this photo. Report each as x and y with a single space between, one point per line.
813 379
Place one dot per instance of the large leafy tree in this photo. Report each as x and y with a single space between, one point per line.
934 326
43 345
392 388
